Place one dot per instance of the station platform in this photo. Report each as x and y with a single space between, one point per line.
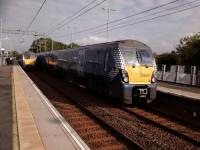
38 125
184 91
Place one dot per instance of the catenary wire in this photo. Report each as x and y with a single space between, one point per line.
117 20
182 10
172 8
35 15
80 15
74 14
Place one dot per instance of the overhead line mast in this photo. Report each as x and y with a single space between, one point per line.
120 19
185 9
102 25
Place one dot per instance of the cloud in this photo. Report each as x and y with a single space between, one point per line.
91 40
160 34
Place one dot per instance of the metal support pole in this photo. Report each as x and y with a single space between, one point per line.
177 73
35 43
45 44
1 33
194 75
164 70
51 44
108 19
37 47
40 47
71 37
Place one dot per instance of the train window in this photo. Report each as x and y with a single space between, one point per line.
101 58
29 55
130 57
145 57
92 57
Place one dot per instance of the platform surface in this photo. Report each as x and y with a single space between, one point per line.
179 90
7 133
38 126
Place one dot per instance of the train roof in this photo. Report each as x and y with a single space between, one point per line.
114 44
28 53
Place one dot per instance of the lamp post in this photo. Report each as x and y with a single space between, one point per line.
71 35
1 32
1 40
2 49
108 19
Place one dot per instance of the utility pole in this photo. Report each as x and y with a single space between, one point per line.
1 33
108 19
71 37
45 43
35 43
40 46
51 44
1 47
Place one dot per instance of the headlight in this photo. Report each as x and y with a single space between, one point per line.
126 79
124 75
154 77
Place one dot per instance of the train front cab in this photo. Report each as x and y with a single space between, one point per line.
28 60
138 76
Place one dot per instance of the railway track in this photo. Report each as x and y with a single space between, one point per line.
126 122
178 129
93 131
177 108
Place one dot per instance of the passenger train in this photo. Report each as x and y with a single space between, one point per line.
122 69
27 60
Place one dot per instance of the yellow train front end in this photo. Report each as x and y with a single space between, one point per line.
28 60
51 61
138 75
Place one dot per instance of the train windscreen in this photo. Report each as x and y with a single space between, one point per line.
135 57
28 55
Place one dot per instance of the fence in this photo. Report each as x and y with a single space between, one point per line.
189 75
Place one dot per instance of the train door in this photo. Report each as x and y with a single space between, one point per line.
81 62
106 62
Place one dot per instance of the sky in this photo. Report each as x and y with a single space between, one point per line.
161 34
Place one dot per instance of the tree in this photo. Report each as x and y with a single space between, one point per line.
15 54
167 58
40 44
189 50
